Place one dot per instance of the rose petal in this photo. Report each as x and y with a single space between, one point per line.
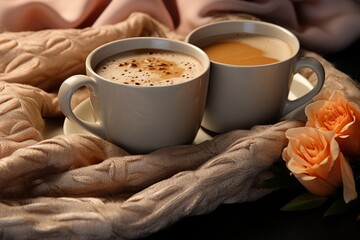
348 180
317 186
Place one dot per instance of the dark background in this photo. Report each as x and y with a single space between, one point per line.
263 219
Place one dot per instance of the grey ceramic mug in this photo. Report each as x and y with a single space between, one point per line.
240 97
140 119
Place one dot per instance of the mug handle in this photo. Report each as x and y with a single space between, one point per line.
66 91
315 65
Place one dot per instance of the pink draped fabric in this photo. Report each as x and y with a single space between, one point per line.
324 26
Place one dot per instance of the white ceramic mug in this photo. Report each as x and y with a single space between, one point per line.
140 118
240 97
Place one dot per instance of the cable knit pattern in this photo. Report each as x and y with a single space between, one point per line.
48 57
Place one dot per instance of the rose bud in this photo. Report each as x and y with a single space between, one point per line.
314 157
338 115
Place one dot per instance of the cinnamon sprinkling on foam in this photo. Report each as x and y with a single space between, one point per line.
150 68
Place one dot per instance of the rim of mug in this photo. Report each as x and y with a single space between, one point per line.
160 43
296 47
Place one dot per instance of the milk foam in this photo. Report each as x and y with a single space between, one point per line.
272 47
149 67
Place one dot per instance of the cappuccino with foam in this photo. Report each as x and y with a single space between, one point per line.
146 93
149 67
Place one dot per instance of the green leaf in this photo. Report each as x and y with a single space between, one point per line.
279 182
304 201
339 206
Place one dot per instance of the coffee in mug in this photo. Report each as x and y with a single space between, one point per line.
149 67
246 49
243 90
146 93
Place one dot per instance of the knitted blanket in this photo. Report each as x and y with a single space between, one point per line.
79 186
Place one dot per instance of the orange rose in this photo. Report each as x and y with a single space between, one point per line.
314 157
338 115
